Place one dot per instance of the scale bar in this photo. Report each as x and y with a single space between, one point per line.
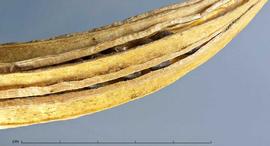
122 143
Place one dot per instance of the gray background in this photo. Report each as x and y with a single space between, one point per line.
225 100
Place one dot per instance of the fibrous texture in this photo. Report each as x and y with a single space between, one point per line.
77 74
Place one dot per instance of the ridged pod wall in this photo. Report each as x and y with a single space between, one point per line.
82 73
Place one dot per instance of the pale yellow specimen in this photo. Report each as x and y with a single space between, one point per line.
124 61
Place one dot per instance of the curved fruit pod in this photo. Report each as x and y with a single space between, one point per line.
137 81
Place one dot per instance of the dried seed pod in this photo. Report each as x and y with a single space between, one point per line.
166 44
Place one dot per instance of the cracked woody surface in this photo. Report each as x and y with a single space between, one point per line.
91 76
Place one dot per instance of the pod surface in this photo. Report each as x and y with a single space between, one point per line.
125 71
